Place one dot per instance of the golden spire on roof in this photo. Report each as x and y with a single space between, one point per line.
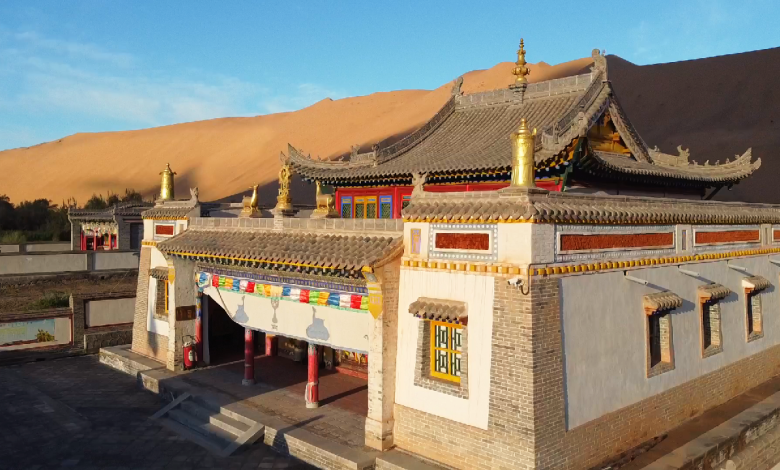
166 186
520 71
523 156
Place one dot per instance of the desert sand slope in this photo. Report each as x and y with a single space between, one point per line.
718 107
224 156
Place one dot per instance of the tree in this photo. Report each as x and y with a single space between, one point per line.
7 213
96 202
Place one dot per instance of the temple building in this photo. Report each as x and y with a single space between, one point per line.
118 227
585 144
542 284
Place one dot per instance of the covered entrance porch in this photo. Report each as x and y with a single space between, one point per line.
310 367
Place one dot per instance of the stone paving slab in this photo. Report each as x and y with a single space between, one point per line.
327 437
78 413
715 446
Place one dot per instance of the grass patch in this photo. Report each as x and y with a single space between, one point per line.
52 300
12 238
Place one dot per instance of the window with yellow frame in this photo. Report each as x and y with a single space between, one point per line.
365 207
446 350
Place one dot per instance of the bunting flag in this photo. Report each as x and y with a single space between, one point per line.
294 294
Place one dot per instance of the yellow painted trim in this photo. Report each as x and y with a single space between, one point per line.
594 266
148 243
449 349
165 218
304 265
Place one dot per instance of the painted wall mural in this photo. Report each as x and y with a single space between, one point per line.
27 332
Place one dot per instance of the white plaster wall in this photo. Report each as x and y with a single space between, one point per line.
148 229
477 292
109 311
342 329
604 332
158 260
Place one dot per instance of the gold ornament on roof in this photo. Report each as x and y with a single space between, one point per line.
166 186
521 71
523 157
283 200
250 204
326 204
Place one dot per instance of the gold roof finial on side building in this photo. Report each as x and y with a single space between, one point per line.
520 71
523 175
166 185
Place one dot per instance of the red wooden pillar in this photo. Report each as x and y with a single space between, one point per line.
94 241
249 357
199 324
270 345
313 386
109 240
83 241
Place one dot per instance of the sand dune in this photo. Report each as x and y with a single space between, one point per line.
224 156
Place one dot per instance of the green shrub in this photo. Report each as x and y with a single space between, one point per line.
12 238
52 300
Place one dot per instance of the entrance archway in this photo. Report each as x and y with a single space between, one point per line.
225 337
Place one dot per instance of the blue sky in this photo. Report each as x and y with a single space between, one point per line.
91 65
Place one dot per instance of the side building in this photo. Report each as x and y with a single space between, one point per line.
524 327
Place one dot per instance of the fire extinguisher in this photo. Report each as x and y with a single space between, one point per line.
188 352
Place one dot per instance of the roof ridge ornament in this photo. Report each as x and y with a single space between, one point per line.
523 140
456 87
521 71
166 185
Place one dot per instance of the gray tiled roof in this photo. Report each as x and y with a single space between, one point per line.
127 209
159 273
661 301
471 135
758 282
440 310
557 207
170 213
714 291
292 248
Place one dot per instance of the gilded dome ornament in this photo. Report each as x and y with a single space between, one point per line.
521 71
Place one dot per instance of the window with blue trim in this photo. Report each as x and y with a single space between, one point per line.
385 207
346 207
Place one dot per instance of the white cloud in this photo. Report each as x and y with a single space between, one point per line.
52 75
73 49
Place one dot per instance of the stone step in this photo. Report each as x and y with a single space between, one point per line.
215 405
202 426
207 442
236 428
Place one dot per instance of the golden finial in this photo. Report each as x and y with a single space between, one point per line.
283 200
520 71
166 186
523 175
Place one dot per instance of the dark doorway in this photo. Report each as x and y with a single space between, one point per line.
226 337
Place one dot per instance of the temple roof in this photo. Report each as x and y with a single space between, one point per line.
470 136
127 209
562 207
292 250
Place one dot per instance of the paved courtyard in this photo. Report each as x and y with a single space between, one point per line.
78 413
